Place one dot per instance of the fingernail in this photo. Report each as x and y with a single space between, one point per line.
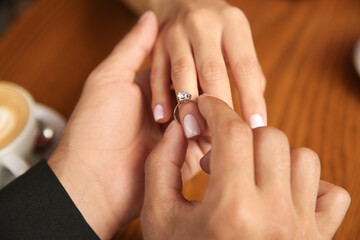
144 17
158 112
256 121
191 126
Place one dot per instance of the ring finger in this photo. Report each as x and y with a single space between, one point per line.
183 75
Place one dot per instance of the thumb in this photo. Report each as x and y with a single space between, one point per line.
130 52
163 181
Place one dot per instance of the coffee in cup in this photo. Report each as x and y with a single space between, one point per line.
14 113
18 130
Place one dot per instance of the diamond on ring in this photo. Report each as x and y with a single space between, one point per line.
183 96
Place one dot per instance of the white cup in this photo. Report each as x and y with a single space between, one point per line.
13 156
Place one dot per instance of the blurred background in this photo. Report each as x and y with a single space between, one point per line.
9 9
305 47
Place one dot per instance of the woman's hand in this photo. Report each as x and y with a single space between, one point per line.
197 39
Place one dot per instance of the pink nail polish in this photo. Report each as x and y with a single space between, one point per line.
191 126
256 121
158 112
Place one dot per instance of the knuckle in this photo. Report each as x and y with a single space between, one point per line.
235 14
306 153
341 196
238 219
303 154
247 67
172 33
277 136
199 16
180 69
95 73
242 213
211 71
243 219
235 130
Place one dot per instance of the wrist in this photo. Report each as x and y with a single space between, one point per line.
164 9
87 194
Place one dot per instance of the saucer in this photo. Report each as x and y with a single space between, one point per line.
56 122
357 57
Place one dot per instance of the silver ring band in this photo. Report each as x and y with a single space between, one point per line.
177 106
182 97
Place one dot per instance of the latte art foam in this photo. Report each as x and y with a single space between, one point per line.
14 113
7 121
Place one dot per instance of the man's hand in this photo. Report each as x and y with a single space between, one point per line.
101 156
259 188
100 160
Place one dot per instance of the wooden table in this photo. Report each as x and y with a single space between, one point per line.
305 48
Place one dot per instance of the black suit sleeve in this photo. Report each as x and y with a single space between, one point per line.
36 206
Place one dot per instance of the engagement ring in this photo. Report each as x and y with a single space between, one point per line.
182 97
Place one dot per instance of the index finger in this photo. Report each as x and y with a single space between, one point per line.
232 153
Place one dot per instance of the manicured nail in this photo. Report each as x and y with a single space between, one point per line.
158 112
144 16
191 126
256 121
